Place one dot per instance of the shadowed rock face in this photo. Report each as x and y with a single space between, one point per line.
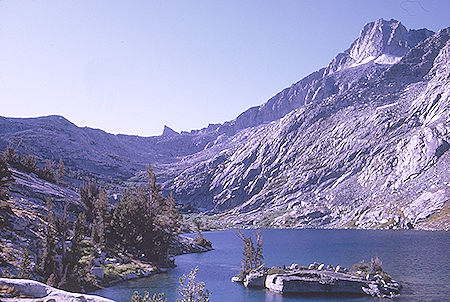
361 143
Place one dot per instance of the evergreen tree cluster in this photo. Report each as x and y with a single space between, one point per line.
142 223
29 163
146 221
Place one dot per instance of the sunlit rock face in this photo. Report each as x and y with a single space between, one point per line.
360 143
371 151
384 42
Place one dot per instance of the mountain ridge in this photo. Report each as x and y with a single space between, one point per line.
332 150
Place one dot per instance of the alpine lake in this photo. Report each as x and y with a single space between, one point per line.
418 260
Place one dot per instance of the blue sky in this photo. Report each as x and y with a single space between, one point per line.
134 66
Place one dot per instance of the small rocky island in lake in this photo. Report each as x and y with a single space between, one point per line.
361 279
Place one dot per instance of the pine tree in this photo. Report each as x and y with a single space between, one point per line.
10 156
5 180
61 171
29 163
253 258
248 252
88 197
259 257
47 173
47 265
132 221
167 219
100 218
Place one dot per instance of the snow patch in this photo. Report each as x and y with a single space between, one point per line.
387 59
364 61
387 106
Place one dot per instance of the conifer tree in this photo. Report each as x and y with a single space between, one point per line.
248 251
100 218
88 197
259 257
5 180
29 163
253 258
47 265
10 155
48 173
146 220
61 171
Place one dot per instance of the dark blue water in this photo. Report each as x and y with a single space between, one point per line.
420 261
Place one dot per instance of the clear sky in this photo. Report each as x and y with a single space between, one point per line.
134 66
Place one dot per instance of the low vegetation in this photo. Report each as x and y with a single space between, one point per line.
190 290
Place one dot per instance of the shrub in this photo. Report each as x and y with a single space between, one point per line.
146 298
192 291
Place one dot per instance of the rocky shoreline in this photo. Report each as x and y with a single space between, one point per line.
108 270
361 279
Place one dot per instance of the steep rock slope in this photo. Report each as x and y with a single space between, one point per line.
362 142
374 155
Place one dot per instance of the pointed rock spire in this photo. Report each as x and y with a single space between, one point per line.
169 131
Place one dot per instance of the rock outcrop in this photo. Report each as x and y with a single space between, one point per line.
20 289
361 279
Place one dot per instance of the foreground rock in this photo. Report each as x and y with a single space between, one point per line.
29 290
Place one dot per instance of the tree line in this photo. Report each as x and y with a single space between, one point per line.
48 170
143 223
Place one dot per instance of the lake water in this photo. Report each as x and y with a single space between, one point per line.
420 261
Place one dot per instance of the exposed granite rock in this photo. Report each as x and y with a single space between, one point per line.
255 279
302 280
186 245
20 289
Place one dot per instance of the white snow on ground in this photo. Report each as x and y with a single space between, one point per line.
387 106
366 60
387 59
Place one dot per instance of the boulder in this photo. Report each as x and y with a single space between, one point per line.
311 281
237 279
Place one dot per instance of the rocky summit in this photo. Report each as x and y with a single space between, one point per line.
360 143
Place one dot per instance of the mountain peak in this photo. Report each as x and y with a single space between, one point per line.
169 131
381 41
